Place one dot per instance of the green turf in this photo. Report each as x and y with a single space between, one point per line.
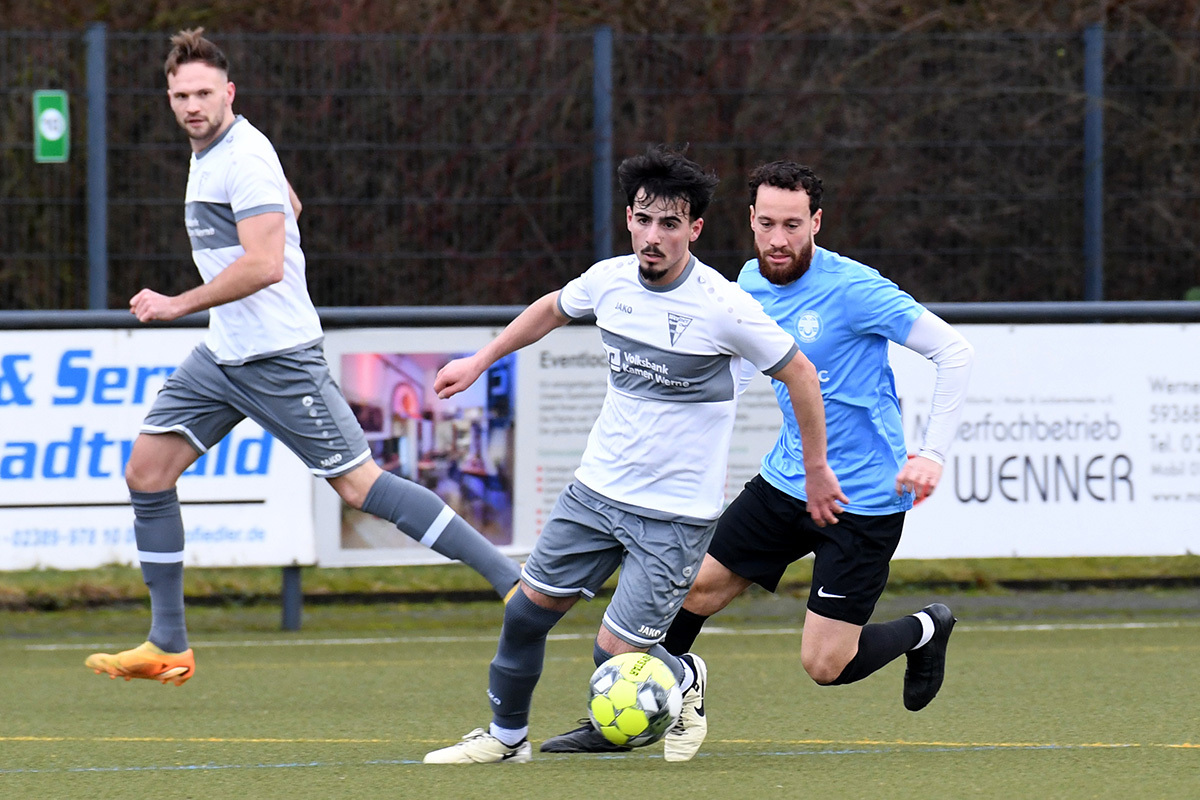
58 589
1089 709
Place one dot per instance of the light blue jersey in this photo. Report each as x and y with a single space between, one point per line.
842 314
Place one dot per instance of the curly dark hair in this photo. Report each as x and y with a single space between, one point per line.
190 45
790 176
665 173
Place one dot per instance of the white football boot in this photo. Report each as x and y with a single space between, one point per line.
480 747
685 738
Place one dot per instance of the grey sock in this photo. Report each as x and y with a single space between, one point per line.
658 651
599 655
158 529
421 514
515 670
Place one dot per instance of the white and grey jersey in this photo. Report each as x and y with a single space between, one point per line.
661 443
236 177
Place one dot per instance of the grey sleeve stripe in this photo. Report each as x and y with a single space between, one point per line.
561 310
238 216
783 362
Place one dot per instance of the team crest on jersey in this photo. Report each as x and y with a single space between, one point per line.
808 326
676 325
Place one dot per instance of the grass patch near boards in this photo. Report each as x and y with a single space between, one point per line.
59 589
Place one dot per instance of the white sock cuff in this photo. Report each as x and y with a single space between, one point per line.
509 736
160 558
926 628
689 675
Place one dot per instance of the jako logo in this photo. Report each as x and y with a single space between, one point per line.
646 630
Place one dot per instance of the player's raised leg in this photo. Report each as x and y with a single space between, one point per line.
425 517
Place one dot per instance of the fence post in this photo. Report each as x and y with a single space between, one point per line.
291 598
602 159
96 38
1093 163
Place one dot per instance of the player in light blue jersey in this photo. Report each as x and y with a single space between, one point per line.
842 314
262 359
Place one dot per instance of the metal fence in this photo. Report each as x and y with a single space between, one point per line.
445 170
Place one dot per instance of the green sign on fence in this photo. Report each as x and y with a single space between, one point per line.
51 126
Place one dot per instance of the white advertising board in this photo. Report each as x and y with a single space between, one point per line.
71 404
1076 440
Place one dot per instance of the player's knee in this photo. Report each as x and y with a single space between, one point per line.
705 598
352 494
823 668
141 476
354 486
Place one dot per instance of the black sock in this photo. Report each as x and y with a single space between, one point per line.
878 645
683 632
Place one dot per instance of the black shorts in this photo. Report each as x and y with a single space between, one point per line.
764 530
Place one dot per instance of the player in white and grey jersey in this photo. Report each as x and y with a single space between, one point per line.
651 481
261 359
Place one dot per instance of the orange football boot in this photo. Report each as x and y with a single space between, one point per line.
145 661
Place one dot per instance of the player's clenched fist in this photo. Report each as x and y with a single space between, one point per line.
149 305
919 476
456 376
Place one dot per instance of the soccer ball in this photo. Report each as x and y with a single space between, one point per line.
634 699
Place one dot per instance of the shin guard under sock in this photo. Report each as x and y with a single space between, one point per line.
878 645
421 514
158 529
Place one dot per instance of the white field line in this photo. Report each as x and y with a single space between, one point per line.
564 637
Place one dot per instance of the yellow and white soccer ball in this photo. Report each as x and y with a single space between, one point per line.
634 699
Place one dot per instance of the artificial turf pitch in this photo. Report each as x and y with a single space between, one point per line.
1064 705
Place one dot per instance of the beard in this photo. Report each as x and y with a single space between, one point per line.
789 272
650 274
206 132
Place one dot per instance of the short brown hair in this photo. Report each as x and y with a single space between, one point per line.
190 45
790 176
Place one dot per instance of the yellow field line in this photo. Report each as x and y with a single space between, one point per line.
959 745
189 739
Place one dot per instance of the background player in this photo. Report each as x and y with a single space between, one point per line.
262 358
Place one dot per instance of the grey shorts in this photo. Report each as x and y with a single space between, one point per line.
587 538
292 396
